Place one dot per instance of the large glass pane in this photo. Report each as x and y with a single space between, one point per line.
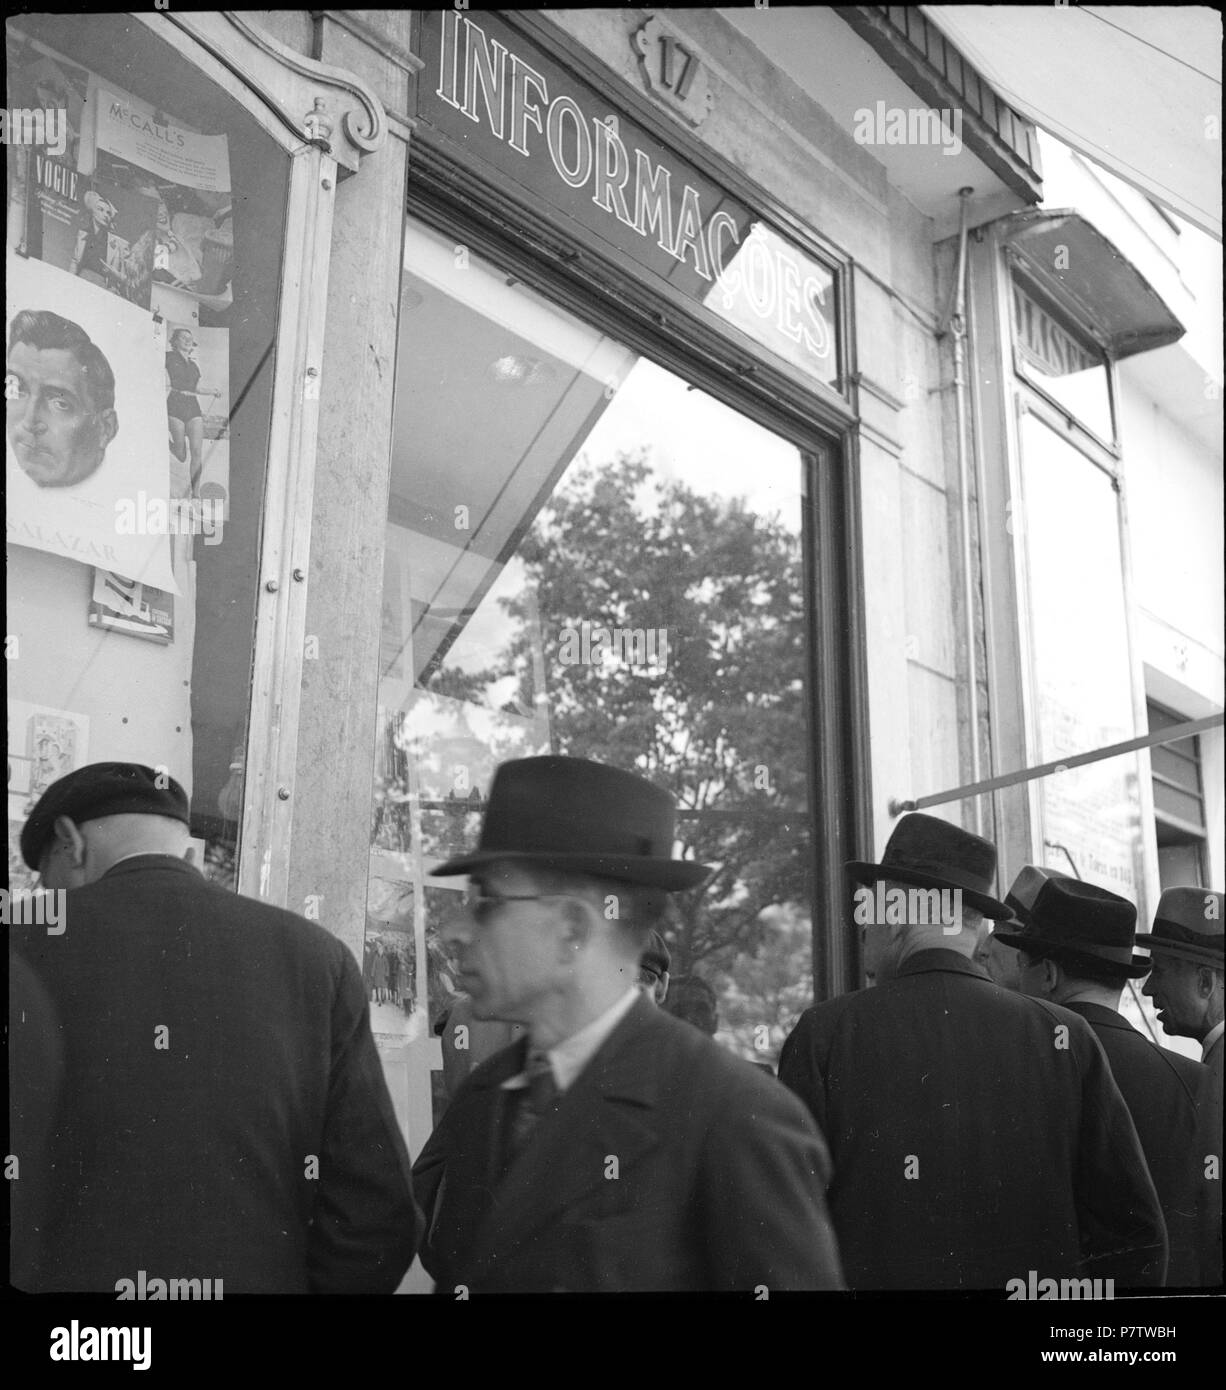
1079 637
587 556
144 233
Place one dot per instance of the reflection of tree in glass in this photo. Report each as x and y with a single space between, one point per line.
723 726
391 821
769 986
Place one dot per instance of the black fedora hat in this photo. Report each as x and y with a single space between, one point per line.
1074 922
97 790
932 853
1188 924
584 817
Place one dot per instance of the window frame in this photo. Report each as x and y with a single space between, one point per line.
837 733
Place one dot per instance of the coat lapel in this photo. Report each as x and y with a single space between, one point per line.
609 1112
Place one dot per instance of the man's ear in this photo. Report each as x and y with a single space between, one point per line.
108 428
69 834
1207 980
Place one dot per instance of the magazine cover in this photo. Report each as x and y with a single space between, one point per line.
85 417
92 227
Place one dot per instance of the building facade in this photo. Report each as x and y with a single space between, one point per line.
700 391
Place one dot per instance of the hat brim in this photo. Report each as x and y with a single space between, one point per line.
866 873
670 875
1185 950
1045 946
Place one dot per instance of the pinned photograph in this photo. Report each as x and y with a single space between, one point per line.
85 421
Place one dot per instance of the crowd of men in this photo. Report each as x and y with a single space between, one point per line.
196 1093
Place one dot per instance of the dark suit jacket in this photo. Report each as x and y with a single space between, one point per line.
976 1135
188 1152
668 1165
1160 1088
1209 1142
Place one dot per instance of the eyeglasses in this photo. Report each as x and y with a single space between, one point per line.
482 905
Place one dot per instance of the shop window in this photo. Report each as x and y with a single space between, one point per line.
145 222
1179 803
1069 535
586 556
1062 363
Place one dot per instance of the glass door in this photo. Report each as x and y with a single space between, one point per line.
585 555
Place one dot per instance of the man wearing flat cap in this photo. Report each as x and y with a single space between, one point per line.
219 1110
1186 986
613 1149
1075 946
976 1134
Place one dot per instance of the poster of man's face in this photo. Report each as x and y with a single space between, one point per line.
85 424
59 399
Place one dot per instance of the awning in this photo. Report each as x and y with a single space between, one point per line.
1137 89
1126 312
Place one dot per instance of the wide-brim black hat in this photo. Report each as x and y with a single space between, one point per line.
932 853
97 790
582 817
1076 923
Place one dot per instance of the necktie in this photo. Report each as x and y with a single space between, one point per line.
531 1102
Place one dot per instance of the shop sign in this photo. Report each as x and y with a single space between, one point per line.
1044 344
1048 355
487 88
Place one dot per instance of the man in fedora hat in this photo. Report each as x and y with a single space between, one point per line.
467 1041
614 1148
219 1110
1075 948
976 1134
1186 985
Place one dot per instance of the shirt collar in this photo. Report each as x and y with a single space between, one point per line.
163 861
569 1057
934 958
1210 1038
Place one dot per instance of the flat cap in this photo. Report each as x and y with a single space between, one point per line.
101 789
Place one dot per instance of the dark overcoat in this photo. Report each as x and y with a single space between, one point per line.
220 1110
1209 1152
669 1164
1160 1087
976 1135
